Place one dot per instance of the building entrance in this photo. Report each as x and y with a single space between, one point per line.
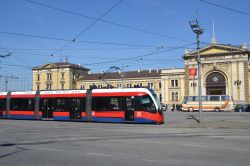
215 84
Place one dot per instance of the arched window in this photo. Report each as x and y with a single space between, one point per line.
216 84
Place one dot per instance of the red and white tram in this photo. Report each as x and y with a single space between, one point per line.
133 105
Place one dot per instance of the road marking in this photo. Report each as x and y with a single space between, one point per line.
158 161
99 154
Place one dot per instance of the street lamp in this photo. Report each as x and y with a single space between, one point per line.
198 31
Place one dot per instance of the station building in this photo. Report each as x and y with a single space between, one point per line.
225 70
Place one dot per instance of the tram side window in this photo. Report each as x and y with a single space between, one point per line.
61 104
22 104
43 104
107 103
2 104
77 104
146 103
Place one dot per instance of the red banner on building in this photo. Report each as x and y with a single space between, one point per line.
192 72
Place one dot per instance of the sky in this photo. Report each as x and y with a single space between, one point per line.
97 34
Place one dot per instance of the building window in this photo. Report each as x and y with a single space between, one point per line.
172 96
139 84
159 85
160 96
49 86
99 86
62 76
129 85
38 77
176 96
37 87
174 83
151 85
62 85
119 85
49 76
82 87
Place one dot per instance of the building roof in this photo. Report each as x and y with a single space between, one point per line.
60 65
127 75
219 49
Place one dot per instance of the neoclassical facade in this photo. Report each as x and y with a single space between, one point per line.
225 69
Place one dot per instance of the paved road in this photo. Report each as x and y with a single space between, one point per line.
223 139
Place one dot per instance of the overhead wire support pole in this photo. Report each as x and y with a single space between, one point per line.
123 75
198 31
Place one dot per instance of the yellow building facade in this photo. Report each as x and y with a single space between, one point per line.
55 76
225 70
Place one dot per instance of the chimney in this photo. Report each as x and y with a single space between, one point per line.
89 72
149 70
139 70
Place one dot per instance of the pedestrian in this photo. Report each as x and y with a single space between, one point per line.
173 107
177 107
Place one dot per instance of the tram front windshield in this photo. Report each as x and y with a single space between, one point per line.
156 99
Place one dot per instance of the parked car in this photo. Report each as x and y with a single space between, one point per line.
242 108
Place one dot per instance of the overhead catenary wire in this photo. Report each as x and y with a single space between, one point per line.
136 46
141 56
16 65
84 49
14 55
86 29
107 22
224 7
80 41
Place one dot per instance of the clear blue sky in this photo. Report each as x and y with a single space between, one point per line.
166 17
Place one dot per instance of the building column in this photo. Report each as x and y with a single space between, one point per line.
241 78
234 78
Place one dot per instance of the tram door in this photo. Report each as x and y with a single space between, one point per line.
75 108
47 108
129 108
